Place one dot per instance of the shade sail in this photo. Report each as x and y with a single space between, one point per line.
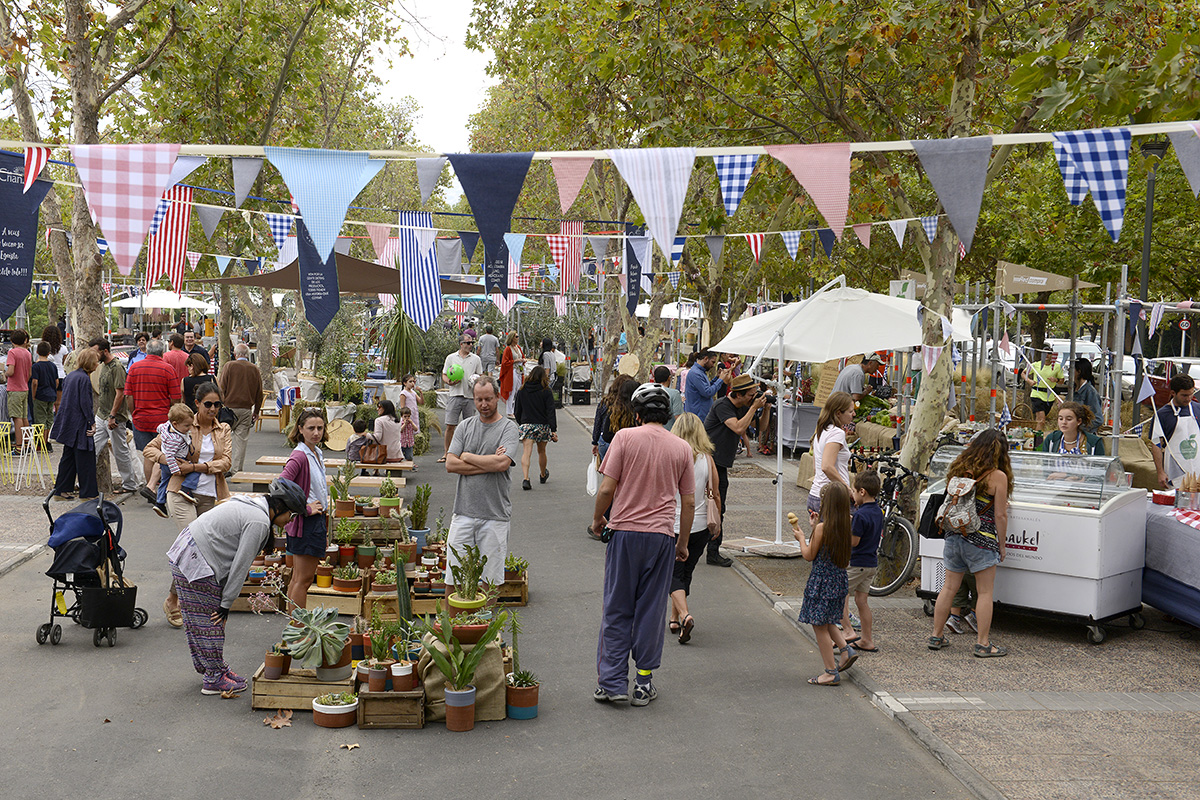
837 323
163 299
355 276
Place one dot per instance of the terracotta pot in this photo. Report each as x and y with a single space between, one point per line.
274 561
409 551
437 587
259 561
346 554
460 709
273 666
457 605
338 716
370 511
404 676
366 556
343 508
356 647
385 588
466 634
378 678
281 542
348 586
421 586
521 701
287 664
511 575
337 671
363 672
331 554
324 576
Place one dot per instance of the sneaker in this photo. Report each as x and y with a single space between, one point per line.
238 680
643 694
149 494
955 624
222 684
855 622
188 496
970 618
601 696
161 510
526 485
718 560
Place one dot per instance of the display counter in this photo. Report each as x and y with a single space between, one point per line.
1171 579
1076 541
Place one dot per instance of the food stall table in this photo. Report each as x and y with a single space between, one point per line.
1171 579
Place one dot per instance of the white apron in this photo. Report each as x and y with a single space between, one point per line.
1183 448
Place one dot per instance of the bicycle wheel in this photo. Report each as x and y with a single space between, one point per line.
897 556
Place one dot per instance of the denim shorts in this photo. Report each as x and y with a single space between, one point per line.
959 555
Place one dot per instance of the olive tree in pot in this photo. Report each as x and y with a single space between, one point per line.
459 665
521 685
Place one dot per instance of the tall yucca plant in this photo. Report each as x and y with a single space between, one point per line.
401 350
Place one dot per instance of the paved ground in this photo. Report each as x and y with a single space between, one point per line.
734 717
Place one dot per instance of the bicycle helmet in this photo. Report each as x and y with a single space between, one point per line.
288 494
650 396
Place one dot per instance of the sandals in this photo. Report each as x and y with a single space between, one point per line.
851 656
816 680
685 633
990 650
174 615
938 642
442 460
673 626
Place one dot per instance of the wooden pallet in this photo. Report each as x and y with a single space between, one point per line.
338 463
423 604
391 709
243 600
388 603
514 593
344 602
296 690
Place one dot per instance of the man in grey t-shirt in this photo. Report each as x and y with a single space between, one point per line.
853 379
481 454
486 349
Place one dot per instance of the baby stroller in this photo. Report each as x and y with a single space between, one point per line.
88 563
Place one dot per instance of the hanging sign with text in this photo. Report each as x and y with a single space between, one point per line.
18 232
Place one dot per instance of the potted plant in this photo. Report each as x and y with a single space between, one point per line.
467 571
343 534
467 628
275 559
358 627
337 710
315 638
339 490
403 542
331 553
514 567
367 551
370 509
383 556
347 578
380 669
360 504
436 539
277 662
521 685
389 497
325 574
420 513
458 666
281 543
384 581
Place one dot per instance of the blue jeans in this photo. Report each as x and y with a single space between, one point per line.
189 483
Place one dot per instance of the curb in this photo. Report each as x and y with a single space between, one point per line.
979 786
25 555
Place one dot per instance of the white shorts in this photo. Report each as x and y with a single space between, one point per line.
489 535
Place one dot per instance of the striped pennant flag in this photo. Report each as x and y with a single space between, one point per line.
168 246
274 350
566 248
35 159
387 301
281 226
677 249
756 243
420 287
102 246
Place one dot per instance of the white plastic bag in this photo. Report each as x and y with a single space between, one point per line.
593 476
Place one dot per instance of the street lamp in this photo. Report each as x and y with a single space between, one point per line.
1154 148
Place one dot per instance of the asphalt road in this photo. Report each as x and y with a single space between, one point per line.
733 718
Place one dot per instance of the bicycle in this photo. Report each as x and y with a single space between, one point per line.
898 543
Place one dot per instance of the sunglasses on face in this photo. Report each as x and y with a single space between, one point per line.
212 404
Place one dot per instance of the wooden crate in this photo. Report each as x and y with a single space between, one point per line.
389 605
243 600
391 709
296 690
426 604
514 593
344 602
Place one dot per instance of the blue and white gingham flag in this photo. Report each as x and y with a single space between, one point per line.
930 224
677 249
791 239
281 226
734 173
1005 416
673 277
160 211
1100 158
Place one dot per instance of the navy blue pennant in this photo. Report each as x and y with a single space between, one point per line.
492 183
318 280
1135 314
469 240
633 269
827 239
18 232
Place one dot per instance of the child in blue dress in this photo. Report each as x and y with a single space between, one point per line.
825 594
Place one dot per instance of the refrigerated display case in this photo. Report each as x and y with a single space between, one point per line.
1075 545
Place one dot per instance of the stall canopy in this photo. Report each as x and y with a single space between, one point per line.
836 323
164 299
355 276
1020 279
671 310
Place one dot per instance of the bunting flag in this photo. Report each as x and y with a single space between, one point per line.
426 237
1135 313
184 166
572 263
281 227
1005 416
245 173
962 250
673 277
106 288
899 227
429 170
1098 160
492 183
647 283
505 302
168 247
193 258
122 184
733 173
716 244
36 158
516 246
449 256
930 224
570 172
469 239
755 240
1146 391
791 240
957 168
1187 150
1005 344
318 280
223 263
323 183
658 178
287 254
420 288
387 301
827 238
560 305
1184 304
160 211
677 249
294 205
599 246
1137 343
1010 310
824 172
636 247
930 354
19 212
1156 315
863 232
210 218
379 233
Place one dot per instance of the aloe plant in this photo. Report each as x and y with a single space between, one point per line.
456 664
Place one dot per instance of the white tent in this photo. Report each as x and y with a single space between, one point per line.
671 311
164 299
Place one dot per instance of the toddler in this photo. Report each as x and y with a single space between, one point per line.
408 433
175 441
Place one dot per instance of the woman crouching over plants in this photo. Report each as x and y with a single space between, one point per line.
209 563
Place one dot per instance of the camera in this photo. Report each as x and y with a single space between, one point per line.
770 397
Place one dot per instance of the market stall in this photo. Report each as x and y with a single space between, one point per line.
1171 579
1076 540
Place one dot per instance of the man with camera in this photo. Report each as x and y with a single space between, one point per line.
726 423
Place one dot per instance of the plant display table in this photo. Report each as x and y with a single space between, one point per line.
346 603
514 593
296 690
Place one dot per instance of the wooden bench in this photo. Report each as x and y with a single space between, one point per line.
261 481
337 463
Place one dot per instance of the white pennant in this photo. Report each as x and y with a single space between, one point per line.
931 354
1156 315
898 226
1137 343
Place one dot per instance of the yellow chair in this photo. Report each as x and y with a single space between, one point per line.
32 457
6 454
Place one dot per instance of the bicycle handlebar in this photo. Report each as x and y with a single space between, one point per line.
889 460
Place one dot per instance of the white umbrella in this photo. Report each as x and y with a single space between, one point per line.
163 299
671 311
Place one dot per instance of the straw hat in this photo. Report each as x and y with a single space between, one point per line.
629 364
340 431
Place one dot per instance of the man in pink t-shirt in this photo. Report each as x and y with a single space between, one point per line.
644 468
17 366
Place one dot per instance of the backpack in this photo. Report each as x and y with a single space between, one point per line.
958 513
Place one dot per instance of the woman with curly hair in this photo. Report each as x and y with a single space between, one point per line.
985 460
614 413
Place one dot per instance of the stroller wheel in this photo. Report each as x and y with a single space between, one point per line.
97 637
139 617
43 632
112 637
56 634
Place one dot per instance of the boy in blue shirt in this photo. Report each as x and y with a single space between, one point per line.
43 387
866 529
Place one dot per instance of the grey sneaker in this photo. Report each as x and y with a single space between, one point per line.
601 696
642 695
855 622
955 624
970 618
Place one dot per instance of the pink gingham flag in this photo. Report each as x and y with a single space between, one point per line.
193 259
122 184
569 173
824 172
35 159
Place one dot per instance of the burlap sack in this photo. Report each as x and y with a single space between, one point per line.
1135 455
489 683
807 469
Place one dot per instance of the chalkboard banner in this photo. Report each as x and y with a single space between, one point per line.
18 232
318 280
